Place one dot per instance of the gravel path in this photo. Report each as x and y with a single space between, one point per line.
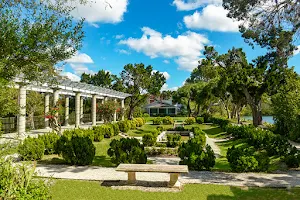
289 179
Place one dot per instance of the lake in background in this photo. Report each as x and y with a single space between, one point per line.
268 119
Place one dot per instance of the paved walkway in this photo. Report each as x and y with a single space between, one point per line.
289 179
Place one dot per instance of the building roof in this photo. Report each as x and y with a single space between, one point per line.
161 104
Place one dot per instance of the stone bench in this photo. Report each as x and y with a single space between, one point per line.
173 170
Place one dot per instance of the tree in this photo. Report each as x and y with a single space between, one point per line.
102 78
139 81
8 101
166 95
261 16
286 109
34 105
35 36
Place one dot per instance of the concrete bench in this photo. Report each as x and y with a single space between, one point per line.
173 170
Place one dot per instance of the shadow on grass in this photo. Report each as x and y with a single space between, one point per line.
254 193
215 132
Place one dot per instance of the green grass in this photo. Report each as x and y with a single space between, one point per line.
89 190
150 119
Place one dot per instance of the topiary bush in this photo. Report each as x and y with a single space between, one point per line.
80 132
168 120
50 142
173 140
160 129
157 121
195 156
190 120
200 120
132 124
199 135
127 150
149 139
123 126
292 159
116 129
245 159
99 132
31 149
139 122
76 148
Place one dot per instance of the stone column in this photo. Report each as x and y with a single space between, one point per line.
115 113
67 109
81 110
22 111
77 110
122 107
47 101
55 96
94 113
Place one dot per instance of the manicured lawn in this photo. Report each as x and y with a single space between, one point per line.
89 190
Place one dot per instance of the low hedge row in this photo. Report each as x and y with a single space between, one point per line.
265 140
163 120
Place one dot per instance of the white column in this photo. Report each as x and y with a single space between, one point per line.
81 110
115 113
22 111
47 101
94 114
77 110
67 109
122 108
55 96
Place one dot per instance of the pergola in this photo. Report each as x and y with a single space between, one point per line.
68 88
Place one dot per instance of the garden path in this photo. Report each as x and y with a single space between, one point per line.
213 145
287 179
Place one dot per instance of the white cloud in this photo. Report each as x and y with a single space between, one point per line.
166 74
71 76
123 51
80 58
185 47
297 51
165 87
212 18
119 36
100 11
166 62
194 4
80 69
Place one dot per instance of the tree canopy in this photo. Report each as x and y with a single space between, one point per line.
35 36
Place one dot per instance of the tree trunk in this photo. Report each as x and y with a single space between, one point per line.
255 104
234 111
189 108
256 114
198 110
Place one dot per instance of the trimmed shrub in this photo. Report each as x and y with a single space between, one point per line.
132 124
245 159
173 140
146 115
80 132
157 121
219 121
155 151
116 129
149 139
139 122
160 128
292 158
31 149
200 120
50 142
190 120
123 126
98 133
195 156
168 120
127 150
76 148
199 135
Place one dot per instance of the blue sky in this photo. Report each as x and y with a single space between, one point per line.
168 34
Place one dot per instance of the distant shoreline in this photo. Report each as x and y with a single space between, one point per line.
268 119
